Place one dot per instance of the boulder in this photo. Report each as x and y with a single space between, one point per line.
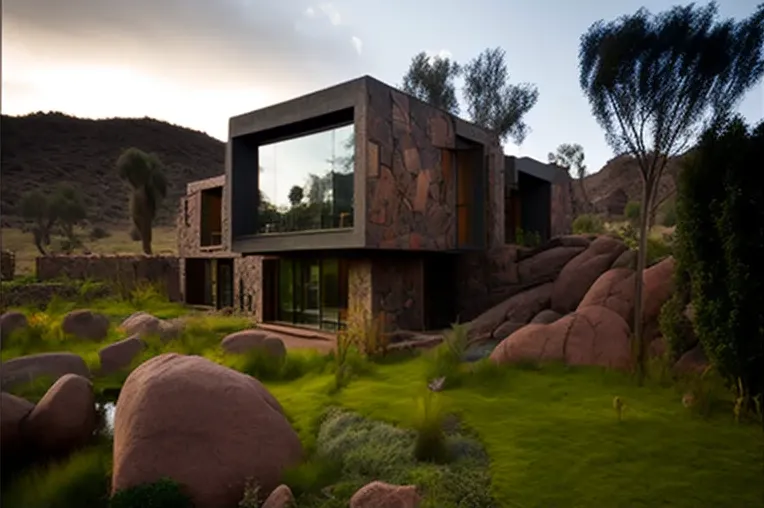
506 329
546 317
582 241
627 259
658 287
281 497
383 495
120 355
13 411
582 271
85 324
693 361
26 369
518 309
546 265
247 340
10 322
65 418
613 289
206 426
592 336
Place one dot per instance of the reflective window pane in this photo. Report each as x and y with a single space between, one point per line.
306 183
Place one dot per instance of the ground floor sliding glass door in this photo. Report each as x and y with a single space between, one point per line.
312 292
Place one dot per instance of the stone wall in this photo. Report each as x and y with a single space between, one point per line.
126 272
411 173
360 289
247 285
562 206
189 220
7 265
39 294
398 292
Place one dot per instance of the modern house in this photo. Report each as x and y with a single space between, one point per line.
358 202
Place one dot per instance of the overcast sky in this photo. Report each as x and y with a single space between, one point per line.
197 62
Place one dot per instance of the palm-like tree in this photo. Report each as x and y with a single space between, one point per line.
144 174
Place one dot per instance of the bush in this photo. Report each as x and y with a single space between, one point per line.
164 493
99 233
632 211
80 480
668 216
720 244
675 327
588 224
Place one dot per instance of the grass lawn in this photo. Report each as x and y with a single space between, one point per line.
164 241
551 433
554 439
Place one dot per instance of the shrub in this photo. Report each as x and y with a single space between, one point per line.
632 211
164 493
675 327
527 238
251 498
99 233
588 224
430 444
668 217
720 243
445 360
80 480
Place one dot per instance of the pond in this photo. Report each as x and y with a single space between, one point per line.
106 411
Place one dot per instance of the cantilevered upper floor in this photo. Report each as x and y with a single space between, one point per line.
361 165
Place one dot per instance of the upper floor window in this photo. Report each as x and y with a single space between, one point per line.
306 182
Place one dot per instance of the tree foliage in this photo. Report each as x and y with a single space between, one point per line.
494 103
720 245
58 211
654 81
144 174
431 79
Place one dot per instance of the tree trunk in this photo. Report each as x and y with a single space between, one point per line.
38 242
639 342
145 230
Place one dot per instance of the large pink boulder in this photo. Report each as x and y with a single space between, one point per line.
203 425
13 410
120 354
86 324
581 272
247 340
517 310
591 336
27 369
65 418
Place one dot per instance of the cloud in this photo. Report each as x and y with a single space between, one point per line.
357 44
221 44
331 12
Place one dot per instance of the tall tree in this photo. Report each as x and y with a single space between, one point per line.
571 157
431 79
654 80
144 174
67 208
494 103
59 210
35 210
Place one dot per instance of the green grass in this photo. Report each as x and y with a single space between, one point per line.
554 438
551 432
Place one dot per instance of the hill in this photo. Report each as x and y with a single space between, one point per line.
41 149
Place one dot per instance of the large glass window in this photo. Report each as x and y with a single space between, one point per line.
306 183
312 292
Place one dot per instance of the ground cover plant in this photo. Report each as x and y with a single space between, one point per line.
541 435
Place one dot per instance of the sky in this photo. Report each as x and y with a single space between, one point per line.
196 63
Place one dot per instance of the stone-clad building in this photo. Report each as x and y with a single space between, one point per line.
361 200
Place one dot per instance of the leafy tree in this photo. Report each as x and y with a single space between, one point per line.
295 195
494 103
632 211
58 211
144 174
431 79
720 244
68 209
571 156
654 80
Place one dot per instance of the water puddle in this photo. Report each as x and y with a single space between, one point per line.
106 410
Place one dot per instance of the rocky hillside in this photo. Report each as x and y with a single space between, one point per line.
619 182
43 148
